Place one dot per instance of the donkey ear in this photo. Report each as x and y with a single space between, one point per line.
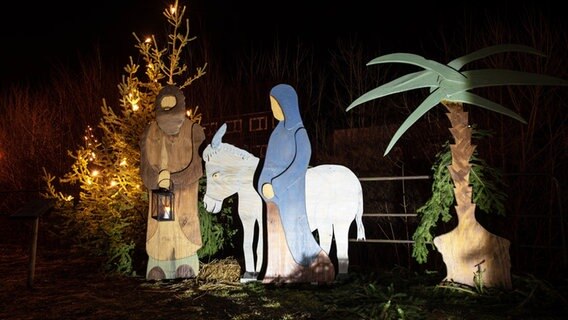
216 141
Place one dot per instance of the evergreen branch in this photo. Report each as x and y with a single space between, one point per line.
487 188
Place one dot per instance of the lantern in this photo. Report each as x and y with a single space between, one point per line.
163 204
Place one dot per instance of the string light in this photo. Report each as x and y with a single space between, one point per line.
90 140
133 98
193 115
89 136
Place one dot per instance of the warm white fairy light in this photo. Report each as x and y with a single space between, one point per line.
95 173
90 140
133 98
113 183
123 162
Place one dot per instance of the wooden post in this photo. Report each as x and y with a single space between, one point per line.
33 249
33 209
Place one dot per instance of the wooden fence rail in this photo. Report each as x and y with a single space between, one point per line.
389 215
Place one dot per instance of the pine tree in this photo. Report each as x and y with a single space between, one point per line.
108 214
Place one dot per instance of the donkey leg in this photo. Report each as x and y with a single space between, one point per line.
259 247
325 234
342 246
248 238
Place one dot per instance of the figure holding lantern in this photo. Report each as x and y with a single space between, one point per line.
171 167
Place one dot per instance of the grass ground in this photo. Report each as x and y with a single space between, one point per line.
67 285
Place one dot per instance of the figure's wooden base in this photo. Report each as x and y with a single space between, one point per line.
172 269
281 267
473 254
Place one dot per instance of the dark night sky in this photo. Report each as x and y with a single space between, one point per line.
39 34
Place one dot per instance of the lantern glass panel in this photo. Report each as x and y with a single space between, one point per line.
163 204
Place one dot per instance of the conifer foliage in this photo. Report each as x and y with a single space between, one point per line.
107 213
488 194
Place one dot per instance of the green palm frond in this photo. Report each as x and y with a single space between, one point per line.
417 80
503 77
430 102
414 59
458 63
471 98
446 82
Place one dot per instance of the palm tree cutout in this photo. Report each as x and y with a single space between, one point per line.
472 254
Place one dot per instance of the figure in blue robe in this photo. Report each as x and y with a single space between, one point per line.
282 185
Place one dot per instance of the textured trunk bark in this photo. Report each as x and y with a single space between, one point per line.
472 255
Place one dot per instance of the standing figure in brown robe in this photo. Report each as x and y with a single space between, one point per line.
170 160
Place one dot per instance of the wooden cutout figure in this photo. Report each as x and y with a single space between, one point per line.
293 253
170 160
230 170
473 255
334 199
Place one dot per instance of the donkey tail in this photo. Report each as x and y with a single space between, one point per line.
359 219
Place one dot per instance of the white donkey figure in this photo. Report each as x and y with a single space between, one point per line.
334 198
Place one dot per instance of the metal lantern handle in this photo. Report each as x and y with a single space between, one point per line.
171 188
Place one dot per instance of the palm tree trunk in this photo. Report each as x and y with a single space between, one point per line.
472 255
